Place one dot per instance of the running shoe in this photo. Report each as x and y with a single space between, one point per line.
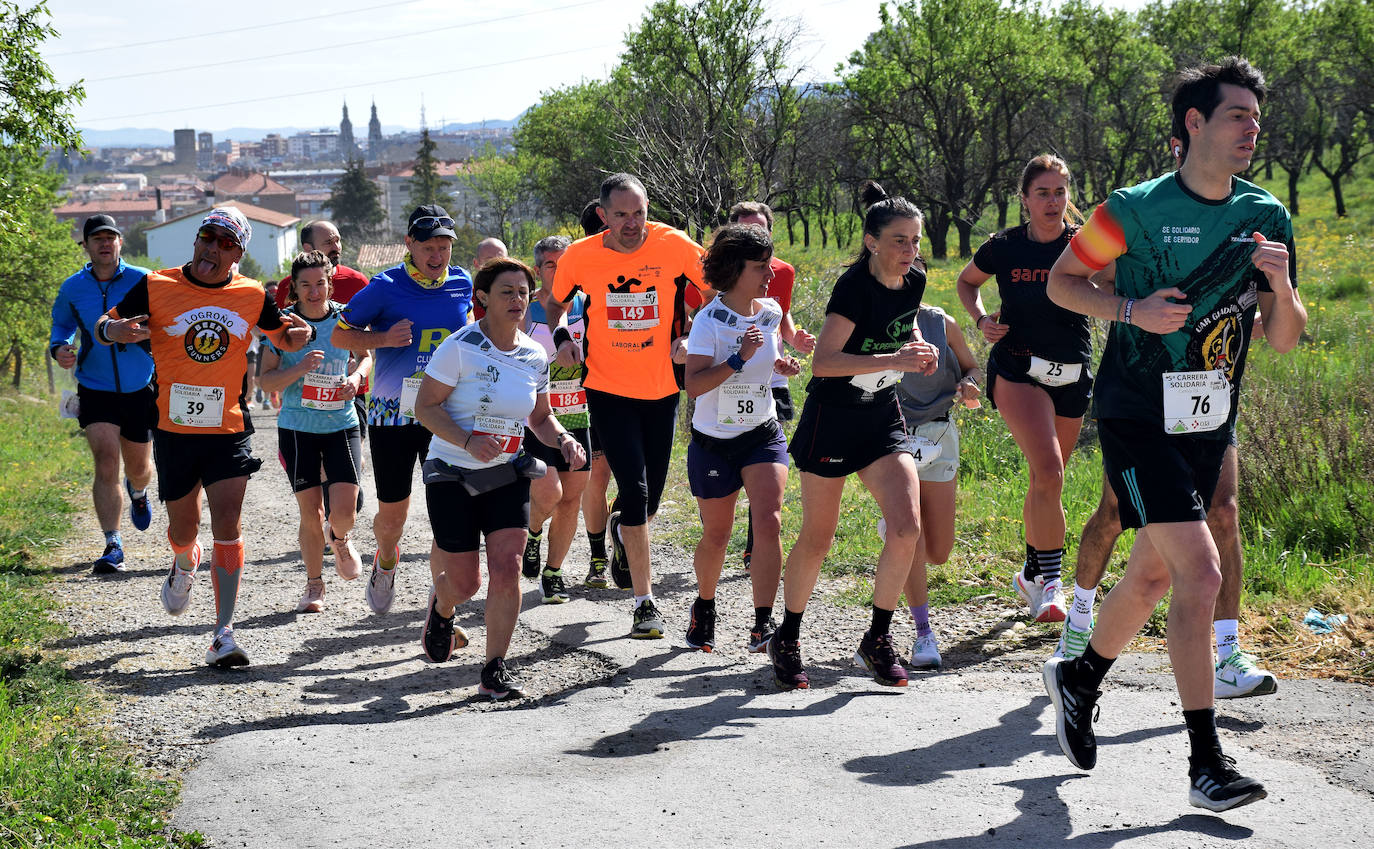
381 586
701 631
1072 642
1044 599
761 636
1075 710
139 511
346 561
648 625
1239 676
878 656
925 653
551 582
110 562
176 589
747 557
620 562
497 681
1217 786
442 636
312 601
596 574
224 652
788 671
529 563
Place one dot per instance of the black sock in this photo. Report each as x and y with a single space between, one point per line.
1032 565
324 496
882 622
1202 734
1048 562
1090 668
790 629
597 542
707 603
761 617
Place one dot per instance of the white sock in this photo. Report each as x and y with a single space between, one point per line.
640 599
1227 635
1081 613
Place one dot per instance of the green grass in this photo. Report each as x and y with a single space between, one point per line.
62 781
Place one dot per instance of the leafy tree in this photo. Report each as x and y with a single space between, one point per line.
499 182
568 144
355 202
426 186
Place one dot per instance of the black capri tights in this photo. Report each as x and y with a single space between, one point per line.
636 437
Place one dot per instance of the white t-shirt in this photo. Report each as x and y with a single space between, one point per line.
744 400
493 390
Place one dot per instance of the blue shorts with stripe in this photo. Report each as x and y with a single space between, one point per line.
1159 477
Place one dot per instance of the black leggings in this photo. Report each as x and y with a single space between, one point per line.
636 438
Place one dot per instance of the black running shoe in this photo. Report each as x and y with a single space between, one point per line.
620 563
878 657
497 681
1075 710
551 582
1217 786
596 574
787 664
701 632
747 558
760 635
529 562
441 636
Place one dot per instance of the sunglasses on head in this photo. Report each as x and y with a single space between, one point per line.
429 222
226 243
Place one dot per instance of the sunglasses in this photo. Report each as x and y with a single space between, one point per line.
429 222
225 242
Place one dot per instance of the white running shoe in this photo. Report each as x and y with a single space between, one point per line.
224 652
381 586
1044 600
1239 675
346 561
925 654
176 588
1072 642
313 599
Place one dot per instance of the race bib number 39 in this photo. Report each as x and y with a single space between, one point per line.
632 310
196 406
744 404
567 397
1050 373
1195 401
509 432
322 392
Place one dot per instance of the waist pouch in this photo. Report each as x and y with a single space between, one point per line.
478 481
737 449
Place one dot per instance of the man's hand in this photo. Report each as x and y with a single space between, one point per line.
397 335
1157 314
127 331
297 331
1271 258
679 350
65 356
569 354
803 341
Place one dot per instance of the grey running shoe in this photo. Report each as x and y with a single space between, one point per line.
925 653
760 636
648 625
381 586
596 574
225 652
701 631
176 588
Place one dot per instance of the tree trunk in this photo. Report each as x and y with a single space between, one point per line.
1002 214
18 366
52 378
1293 191
939 236
825 234
806 231
791 237
965 229
1269 170
1339 195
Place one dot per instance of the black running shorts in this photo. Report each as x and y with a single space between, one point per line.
184 460
134 412
396 451
1158 477
302 455
460 520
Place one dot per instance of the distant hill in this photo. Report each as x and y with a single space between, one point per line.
149 137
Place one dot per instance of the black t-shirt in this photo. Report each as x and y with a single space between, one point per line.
883 319
1038 326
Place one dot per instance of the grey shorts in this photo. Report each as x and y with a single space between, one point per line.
938 460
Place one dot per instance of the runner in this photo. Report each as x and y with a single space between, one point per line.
198 319
932 439
559 493
318 426
851 423
1038 370
113 386
635 276
481 387
1194 251
733 352
402 315
780 290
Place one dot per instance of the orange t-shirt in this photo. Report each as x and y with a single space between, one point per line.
634 307
200 337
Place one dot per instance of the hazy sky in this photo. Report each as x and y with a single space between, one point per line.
264 63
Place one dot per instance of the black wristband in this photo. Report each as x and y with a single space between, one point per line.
561 335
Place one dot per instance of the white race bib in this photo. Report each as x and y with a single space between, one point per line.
1196 401
410 390
196 406
632 310
922 450
743 403
567 396
509 432
1050 373
876 380
322 391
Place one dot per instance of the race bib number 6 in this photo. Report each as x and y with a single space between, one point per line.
632 310
876 380
1196 401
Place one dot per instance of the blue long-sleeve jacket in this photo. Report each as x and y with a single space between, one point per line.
80 301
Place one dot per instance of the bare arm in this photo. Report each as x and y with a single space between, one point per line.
1284 315
970 386
397 335
969 287
830 360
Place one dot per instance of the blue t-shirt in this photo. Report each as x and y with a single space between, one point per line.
434 313
316 410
